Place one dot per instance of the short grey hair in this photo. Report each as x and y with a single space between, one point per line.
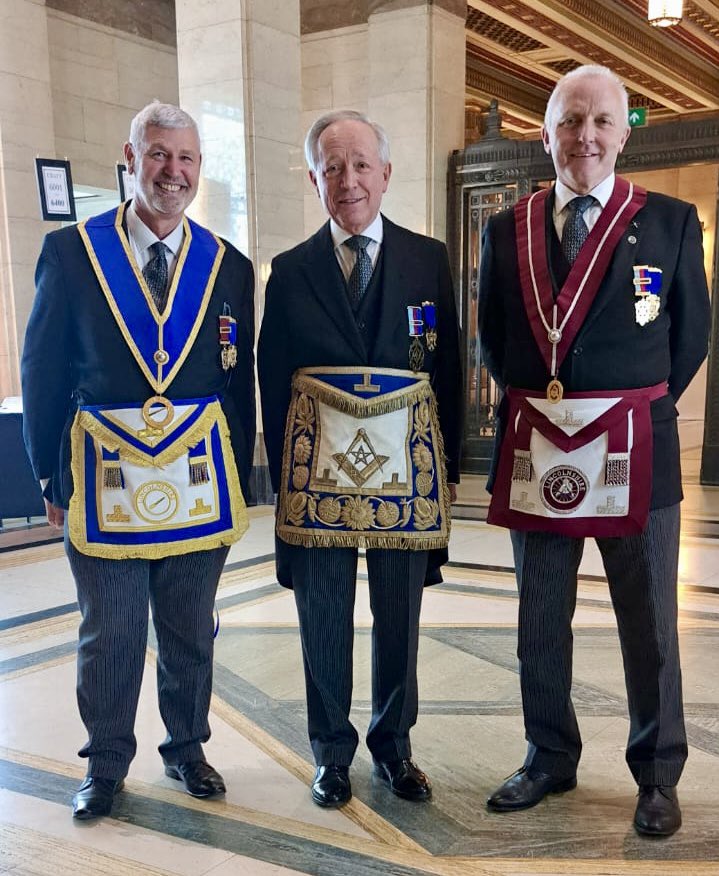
159 115
587 70
312 151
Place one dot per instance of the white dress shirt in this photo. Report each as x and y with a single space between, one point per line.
141 239
563 195
347 257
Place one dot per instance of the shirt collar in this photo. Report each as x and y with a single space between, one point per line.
143 237
563 194
374 231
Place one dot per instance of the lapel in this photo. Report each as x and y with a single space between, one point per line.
617 282
395 292
324 278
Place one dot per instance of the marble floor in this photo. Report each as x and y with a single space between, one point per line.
468 738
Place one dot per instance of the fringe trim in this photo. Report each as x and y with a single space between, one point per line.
398 541
201 429
361 407
77 529
522 466
112 478
199 473
616 470
309 537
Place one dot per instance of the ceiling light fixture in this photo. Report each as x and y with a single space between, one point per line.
664 13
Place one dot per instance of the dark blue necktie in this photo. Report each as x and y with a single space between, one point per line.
362 270
575 230
155 274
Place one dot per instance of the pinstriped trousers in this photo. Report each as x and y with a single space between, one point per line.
642 575
113 596
324 584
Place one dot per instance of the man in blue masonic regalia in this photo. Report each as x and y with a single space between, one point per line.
139 420
361 405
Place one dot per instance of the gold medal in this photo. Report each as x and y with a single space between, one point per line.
147 412
555 391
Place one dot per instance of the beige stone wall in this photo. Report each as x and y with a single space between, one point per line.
100 77
334 76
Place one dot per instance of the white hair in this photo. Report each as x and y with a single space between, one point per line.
587 70
315 132
159 115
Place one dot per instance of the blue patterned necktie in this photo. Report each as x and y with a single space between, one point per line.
575 230
362 270
155 274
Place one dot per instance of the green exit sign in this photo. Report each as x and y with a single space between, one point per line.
637 117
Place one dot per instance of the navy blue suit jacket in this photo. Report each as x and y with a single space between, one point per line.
75 354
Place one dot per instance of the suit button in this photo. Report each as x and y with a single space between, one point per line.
361 326
577 351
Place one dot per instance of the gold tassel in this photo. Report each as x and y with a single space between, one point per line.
112 478
199 472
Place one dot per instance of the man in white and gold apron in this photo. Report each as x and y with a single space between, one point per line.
139 420
594 317
361 406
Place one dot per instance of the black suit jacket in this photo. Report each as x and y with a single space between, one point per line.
308 321
74 354
611 351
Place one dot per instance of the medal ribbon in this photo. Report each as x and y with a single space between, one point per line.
160 343
568 312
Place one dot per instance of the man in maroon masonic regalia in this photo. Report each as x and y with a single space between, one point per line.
594 317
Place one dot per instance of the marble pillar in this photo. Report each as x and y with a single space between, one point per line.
416 90
26 131
239 76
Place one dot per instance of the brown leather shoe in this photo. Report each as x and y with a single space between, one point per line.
94 797
331 786
526 788
658 812
405 779
198 777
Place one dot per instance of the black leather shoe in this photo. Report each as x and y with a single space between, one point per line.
94 797
198 777
331 786
658 812
526 788
405 779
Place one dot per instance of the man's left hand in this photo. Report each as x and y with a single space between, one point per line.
452 493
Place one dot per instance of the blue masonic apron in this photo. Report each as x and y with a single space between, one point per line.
157 477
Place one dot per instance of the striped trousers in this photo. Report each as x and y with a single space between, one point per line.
642 575
113 596
324 583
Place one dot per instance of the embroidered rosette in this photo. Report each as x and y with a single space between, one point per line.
145 492
363 461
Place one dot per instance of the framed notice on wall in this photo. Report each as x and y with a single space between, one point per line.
54 183
125 182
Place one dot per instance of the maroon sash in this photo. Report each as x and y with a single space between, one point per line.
580 289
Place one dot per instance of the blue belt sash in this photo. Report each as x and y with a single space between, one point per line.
363 461
144 492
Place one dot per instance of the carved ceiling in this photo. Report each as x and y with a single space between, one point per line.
518 49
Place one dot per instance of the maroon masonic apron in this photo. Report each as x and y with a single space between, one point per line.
574 463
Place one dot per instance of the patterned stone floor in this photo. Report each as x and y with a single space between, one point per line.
469 735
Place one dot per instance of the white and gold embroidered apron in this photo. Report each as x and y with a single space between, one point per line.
363 461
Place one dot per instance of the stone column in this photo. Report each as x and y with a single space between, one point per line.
416 60
239 76
26 130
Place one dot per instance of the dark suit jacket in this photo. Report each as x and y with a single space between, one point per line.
611 350
308 321
75 355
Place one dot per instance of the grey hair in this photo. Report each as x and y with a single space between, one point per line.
585 70
160 115
315 132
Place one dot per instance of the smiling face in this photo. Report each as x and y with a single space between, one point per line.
586 132
350 177
167 172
